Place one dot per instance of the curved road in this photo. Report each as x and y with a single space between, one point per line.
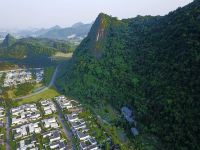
43 89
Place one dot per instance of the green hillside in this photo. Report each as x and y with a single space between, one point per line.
149 63
32 47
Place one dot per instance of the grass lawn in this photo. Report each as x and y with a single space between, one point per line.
11 93
7 66
62 56
50 93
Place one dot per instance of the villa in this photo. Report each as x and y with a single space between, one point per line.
48 107
63 102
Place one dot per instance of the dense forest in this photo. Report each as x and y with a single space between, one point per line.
149 63
33 47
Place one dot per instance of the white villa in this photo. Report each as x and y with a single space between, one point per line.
48 107
50 123
26 130
25 113
63 102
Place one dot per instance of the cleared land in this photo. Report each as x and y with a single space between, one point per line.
49 93
62 56
7 66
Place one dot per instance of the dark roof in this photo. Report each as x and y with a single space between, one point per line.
92 140
81 134
56 134
1 141
126 111
1 124
71 116
134 131
61 145
88 147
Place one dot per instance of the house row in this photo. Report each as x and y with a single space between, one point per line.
16 77
48 107
1 139
26 130
27 144
2 112
80 130
31 128
55 140
2 116
24 114
39 75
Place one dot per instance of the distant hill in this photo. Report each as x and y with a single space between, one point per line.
32 47
33 32
77 32
73 34
151 64
8 41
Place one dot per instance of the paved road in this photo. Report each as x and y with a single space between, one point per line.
68 133
42 89
7 131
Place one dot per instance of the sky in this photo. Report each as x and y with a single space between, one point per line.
21 14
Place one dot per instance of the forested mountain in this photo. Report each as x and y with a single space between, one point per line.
32 47
8 41
149 63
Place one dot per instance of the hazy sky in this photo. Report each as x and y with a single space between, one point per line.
46 13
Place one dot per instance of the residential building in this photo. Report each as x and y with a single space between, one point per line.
48 107
63 102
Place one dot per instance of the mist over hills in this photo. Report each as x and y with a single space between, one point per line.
74 33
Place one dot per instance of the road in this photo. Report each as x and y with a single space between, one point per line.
68 133
42 89
7 132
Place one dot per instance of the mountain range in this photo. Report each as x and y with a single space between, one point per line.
75 33
151 64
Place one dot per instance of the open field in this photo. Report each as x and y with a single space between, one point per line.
7 66
49 93
62 56
12 93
